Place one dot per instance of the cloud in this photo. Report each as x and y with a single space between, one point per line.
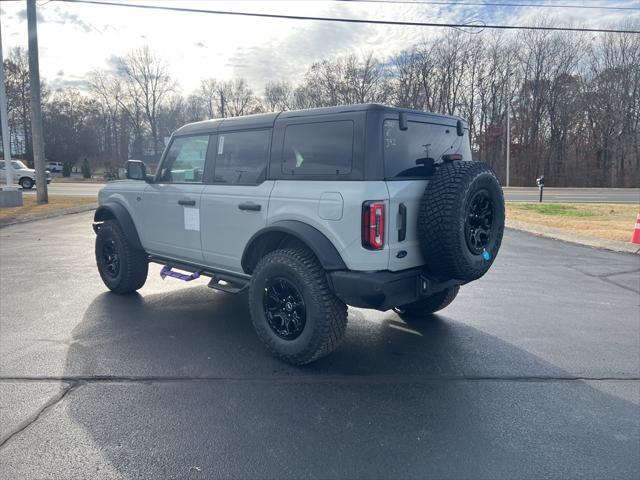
199 44
22 15
67 17
67 83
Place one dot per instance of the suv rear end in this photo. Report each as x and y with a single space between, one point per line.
360 178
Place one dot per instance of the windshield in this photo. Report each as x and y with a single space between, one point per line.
406 152
18 165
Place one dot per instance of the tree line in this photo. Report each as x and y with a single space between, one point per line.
574 102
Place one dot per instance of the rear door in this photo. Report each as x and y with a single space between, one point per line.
234 204
171 205
407 177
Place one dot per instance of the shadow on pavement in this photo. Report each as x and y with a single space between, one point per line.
441 400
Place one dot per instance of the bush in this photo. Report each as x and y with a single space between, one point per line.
66 169
86 169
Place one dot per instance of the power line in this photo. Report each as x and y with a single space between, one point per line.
491 4
349 20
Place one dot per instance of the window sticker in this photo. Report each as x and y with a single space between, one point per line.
192 219
220 144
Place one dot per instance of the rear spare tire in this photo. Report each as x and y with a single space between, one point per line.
461 220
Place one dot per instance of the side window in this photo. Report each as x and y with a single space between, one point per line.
242 157
324 148
184 162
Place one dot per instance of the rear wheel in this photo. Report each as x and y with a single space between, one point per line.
295 314
26 183
122 268
423 309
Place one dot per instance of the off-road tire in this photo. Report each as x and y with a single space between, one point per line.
134 265
26 183
444 211
422 309
326 315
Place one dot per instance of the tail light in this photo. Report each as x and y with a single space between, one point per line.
373 225
452 157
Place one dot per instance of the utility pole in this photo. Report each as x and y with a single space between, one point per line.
9 195
508 182
36 110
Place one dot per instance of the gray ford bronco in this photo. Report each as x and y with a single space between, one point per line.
310 211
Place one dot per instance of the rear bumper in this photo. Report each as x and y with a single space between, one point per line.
383 290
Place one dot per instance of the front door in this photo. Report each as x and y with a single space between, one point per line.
172 204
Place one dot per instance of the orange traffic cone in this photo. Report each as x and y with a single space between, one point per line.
635 237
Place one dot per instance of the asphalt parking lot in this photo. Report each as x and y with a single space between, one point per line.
534 371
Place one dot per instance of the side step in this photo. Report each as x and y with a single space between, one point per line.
223 281
228 284
168 272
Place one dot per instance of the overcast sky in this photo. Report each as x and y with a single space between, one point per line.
76 39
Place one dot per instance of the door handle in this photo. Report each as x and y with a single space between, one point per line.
253 207
187 202
402 232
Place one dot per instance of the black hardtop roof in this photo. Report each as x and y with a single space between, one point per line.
266 120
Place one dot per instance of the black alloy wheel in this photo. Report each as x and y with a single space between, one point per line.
284 308
111 258
478 222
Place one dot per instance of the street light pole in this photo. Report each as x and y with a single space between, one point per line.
36 110
10 196
6 139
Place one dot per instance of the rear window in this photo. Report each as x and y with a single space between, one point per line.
405 150
242 157
324 148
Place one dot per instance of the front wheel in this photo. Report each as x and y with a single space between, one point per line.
293 310
122 268
422 309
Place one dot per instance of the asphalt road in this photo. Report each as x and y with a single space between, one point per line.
533 372
515 194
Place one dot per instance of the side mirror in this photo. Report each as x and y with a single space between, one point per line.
136 170
460 128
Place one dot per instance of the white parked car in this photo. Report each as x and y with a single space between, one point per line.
54 166
310 211
22 175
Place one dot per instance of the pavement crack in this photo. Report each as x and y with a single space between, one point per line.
50 404
351 379
605 277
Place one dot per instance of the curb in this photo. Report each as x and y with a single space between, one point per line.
47 215
560 234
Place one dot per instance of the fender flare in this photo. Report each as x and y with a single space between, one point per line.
118 212
314 239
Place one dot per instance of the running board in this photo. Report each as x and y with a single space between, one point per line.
224 281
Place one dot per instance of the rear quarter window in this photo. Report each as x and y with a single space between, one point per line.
402 148
320 148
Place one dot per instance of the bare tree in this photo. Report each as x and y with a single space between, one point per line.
278 96
150 83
